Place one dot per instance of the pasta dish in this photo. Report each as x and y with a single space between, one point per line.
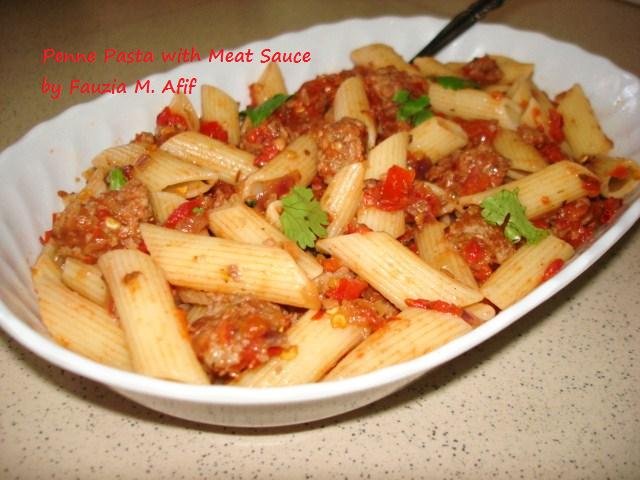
370 217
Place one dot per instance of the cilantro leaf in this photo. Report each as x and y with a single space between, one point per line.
259 114
456 83
414 110
505 206
116 179
302 218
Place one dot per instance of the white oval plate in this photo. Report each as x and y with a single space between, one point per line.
53 154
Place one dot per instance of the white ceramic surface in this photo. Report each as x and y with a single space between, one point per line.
50 157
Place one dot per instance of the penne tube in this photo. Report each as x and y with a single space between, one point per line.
520 91
481 312
163 204
155 329
270 83
351 101
118 156
76 322
86 280
46 267
229 162
520 154
413 333
181 105
227 266
242 224
159 169
219 107
395 271
378 55
391 151
299 159
317 347
511 69
430 67
437 138
437 251
471 104
382 221
581 127
342 197
618 176
524 271
546 189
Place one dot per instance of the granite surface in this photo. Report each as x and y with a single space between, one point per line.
557 395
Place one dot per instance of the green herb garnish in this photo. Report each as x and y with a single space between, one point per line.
505 205
456 83
413 110
116 179
259 114
302 218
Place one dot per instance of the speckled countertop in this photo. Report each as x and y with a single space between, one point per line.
557 395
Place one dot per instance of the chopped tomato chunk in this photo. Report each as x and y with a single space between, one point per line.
438 305
347 289
214 130
554 267
167 118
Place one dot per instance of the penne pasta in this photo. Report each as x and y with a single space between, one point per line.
436 250
414 333
76 322
524 271
511 69
395 271
270 83
230 163
163 204
546 189
472 104
154 328
219 107
242 224
618 176
581 127
437 138
181 105
521 155
351 101
226 266
342 197
238 301
159 169
391 151
378 55
382 221
86 280
118 156
430 67
299 159
317 346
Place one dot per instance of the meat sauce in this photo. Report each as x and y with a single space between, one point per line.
89 227
239 332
